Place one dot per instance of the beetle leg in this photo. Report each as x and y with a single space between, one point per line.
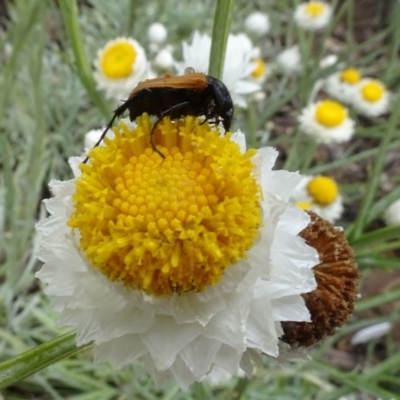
162 115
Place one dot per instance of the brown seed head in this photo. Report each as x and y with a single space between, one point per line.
332 302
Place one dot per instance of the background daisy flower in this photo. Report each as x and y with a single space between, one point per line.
313 15
238 66
321 195
209 262
120 65
342 85
371 98
327 121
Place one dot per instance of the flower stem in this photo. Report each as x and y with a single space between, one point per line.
69 11
34 360
222 21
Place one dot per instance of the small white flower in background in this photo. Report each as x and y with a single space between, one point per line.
319 194
289 60
164 60
327 121
392 214
120 65
238 64
257 23
343 85
313 15
371 98
176 275
157 33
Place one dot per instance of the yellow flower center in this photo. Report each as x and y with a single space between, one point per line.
167 225
314 8
323 190
330 114
259 69
350 76
304 205
372 91
117 60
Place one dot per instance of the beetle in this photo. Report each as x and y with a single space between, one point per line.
193 93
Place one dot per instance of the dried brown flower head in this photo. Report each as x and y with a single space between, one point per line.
332 302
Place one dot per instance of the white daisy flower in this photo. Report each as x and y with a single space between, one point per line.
392 214
257 23
238 65
313 15
321 195
327 121
343 85
371 98
289 60
157 33
185 262
120 65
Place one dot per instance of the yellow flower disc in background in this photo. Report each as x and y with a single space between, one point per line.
314 8
350 76
117 60
330 113
323 190
372 91
260 68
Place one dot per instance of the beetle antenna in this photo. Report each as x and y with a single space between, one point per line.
109 126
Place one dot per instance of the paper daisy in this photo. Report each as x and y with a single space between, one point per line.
289 60
185 262
321 195
120 65
238 65
313 15
327 121
392 215
371 98
257 23
343 85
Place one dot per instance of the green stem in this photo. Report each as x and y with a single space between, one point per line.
34 360
222 21
70 14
